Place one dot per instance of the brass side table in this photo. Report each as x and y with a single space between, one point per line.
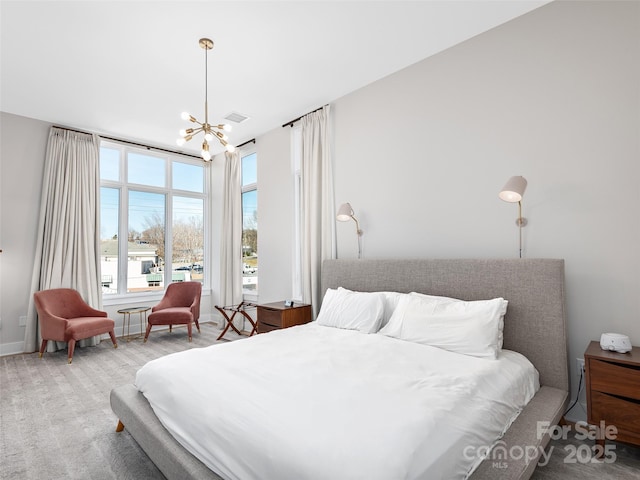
126 312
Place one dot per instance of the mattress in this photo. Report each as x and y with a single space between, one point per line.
315 402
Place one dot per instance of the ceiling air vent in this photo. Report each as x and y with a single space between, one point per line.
236 117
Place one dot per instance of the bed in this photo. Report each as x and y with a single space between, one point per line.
534 326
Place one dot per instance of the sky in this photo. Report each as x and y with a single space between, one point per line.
151 171
144 206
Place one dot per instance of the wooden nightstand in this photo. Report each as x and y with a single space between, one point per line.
272 316
613 391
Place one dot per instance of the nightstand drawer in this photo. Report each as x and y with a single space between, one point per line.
615 378
265 327
270 317
621 412
277 315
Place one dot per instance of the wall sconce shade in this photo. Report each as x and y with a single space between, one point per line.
345 213
513 190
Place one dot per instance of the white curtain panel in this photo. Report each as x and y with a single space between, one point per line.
67 252
231 241
318 235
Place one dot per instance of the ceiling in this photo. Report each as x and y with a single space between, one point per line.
128 69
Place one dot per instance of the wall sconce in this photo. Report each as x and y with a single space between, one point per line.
512 192
345 213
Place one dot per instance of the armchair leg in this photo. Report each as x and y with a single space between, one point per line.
120 426
113 339
43 347
70 348
189 330
146 335
197 325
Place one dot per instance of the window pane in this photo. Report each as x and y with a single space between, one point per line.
188 239
188 177
109 210
146 170
109 164
249 169
250 240
145 242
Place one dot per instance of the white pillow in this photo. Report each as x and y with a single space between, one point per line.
342 308
390 301
470 328
449 299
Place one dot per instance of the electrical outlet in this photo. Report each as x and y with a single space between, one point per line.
580 364
22 321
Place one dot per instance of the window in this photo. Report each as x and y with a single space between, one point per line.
249 223
152 214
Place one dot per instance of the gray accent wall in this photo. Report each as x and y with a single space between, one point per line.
553 95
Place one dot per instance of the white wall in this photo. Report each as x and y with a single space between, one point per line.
553 96
22 145
275 216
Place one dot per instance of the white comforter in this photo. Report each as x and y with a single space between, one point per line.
314 402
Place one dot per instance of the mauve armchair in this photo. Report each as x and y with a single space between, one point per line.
65 317
179 306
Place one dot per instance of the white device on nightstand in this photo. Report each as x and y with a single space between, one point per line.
615 342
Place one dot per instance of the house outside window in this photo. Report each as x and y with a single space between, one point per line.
152 219
249 222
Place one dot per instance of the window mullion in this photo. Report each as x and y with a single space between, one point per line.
123 235
168 240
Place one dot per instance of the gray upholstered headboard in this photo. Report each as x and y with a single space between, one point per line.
535 319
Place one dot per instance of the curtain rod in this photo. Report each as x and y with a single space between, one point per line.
148 147
291 122
253 140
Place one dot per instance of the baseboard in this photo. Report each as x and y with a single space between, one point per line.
11 348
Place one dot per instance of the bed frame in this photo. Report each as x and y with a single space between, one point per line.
534 326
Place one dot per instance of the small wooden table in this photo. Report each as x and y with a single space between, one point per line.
126 312
274 316
613 394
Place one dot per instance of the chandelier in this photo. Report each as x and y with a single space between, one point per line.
210 131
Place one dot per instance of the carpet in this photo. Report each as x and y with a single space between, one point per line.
55 418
